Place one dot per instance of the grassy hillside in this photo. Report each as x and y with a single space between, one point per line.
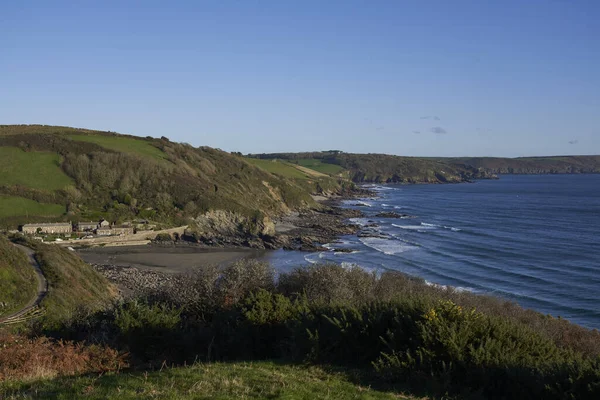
533 165
40 170
12 206
320 166
388 168
279 168
91 174
256 380
380 168
17 278
123 144
311 180
72 284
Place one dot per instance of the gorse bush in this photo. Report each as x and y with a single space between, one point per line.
147 330
403 330
471 353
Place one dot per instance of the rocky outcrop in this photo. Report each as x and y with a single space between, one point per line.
228 229
314 227
392 214
304 231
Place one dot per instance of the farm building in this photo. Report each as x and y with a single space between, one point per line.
59 228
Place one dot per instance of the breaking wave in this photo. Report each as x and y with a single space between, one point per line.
387 246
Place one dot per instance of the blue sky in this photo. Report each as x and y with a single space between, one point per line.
421 78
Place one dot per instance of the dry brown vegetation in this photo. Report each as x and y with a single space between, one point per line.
25 359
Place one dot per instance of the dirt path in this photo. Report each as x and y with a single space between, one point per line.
42 287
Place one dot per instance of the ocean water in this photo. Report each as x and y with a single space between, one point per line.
532 239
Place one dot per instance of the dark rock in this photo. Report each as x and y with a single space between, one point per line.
343 250
392 214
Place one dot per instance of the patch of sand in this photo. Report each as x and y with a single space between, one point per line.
165 259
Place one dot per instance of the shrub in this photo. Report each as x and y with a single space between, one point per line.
243 277
148 330
467 352
410 332
329 283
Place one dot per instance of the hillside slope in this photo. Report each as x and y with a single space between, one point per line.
17 278
72 284
533 165
60 173
381 168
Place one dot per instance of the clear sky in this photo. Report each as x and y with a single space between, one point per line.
424 78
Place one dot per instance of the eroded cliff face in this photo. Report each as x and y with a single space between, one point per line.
221 227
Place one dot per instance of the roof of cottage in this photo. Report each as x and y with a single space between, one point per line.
50 224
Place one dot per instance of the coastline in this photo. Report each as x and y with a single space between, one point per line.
132 266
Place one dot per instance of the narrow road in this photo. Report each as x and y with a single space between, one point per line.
42 286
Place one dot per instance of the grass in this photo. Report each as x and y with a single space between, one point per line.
11 206
17 278
38 170
278 168
319 166
123 144
257 380
73 284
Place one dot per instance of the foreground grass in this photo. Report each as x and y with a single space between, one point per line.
257 380
38 170
11 206
123 144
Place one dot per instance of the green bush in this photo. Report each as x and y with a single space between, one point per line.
467 352
149 332
405 331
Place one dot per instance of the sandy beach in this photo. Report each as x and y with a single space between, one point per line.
165 259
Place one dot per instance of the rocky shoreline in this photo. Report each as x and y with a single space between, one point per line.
306 231
133 281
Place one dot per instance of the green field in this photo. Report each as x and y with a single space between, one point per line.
257 380
278 168
16 206
319 166
38 170
123 144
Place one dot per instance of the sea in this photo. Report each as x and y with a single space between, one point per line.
532 239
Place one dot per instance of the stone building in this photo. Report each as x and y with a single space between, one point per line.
114 230
64 228
87 226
